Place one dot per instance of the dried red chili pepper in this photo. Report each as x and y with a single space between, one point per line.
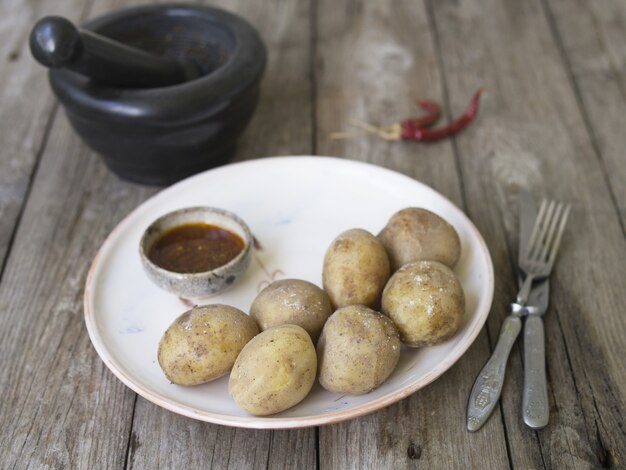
409 131
417 129
432 115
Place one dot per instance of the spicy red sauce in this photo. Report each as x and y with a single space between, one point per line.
195 248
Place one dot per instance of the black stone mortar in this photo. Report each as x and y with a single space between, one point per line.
160 134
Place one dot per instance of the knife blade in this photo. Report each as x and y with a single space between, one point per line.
535 407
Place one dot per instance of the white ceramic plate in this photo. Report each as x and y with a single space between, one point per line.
295 206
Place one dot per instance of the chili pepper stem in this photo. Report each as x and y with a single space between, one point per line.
347 134
388 133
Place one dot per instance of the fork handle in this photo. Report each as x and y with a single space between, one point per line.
535 409
488 385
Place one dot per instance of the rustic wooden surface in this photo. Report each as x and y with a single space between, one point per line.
552 121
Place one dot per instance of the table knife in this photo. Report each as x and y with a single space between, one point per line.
535 407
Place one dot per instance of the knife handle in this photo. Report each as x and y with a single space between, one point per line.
488 385
535 408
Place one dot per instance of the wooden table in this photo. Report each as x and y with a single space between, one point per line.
553 121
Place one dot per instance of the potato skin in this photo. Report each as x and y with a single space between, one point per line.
416 234
426 302
203 343
274 371
356 268
292 301
358 349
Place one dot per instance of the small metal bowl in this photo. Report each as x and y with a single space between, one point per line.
202 284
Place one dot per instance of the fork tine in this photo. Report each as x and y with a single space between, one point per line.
536 228
557 241
547 232
551 226
545 223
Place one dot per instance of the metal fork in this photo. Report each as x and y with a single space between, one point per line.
543 245
536 261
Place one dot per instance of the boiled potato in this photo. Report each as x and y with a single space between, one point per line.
292 301
426 302
274 371
203 343
358 349
415 234
356 268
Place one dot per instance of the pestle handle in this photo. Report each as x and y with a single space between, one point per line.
55 42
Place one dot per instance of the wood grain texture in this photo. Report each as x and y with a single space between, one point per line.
25 122
534 136
373 59
283 122
592 36
552 121
64 408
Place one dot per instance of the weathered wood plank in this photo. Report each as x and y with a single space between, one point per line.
24 121
191 443
532 135
283 122
64 408
592 36
282 125
373 60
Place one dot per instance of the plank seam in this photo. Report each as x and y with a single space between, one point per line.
446 101
127 454
446 98
513 262
598 415
571 368
511 253
317 448
28 433
29 187
36 164
552 26
269 449
313 35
